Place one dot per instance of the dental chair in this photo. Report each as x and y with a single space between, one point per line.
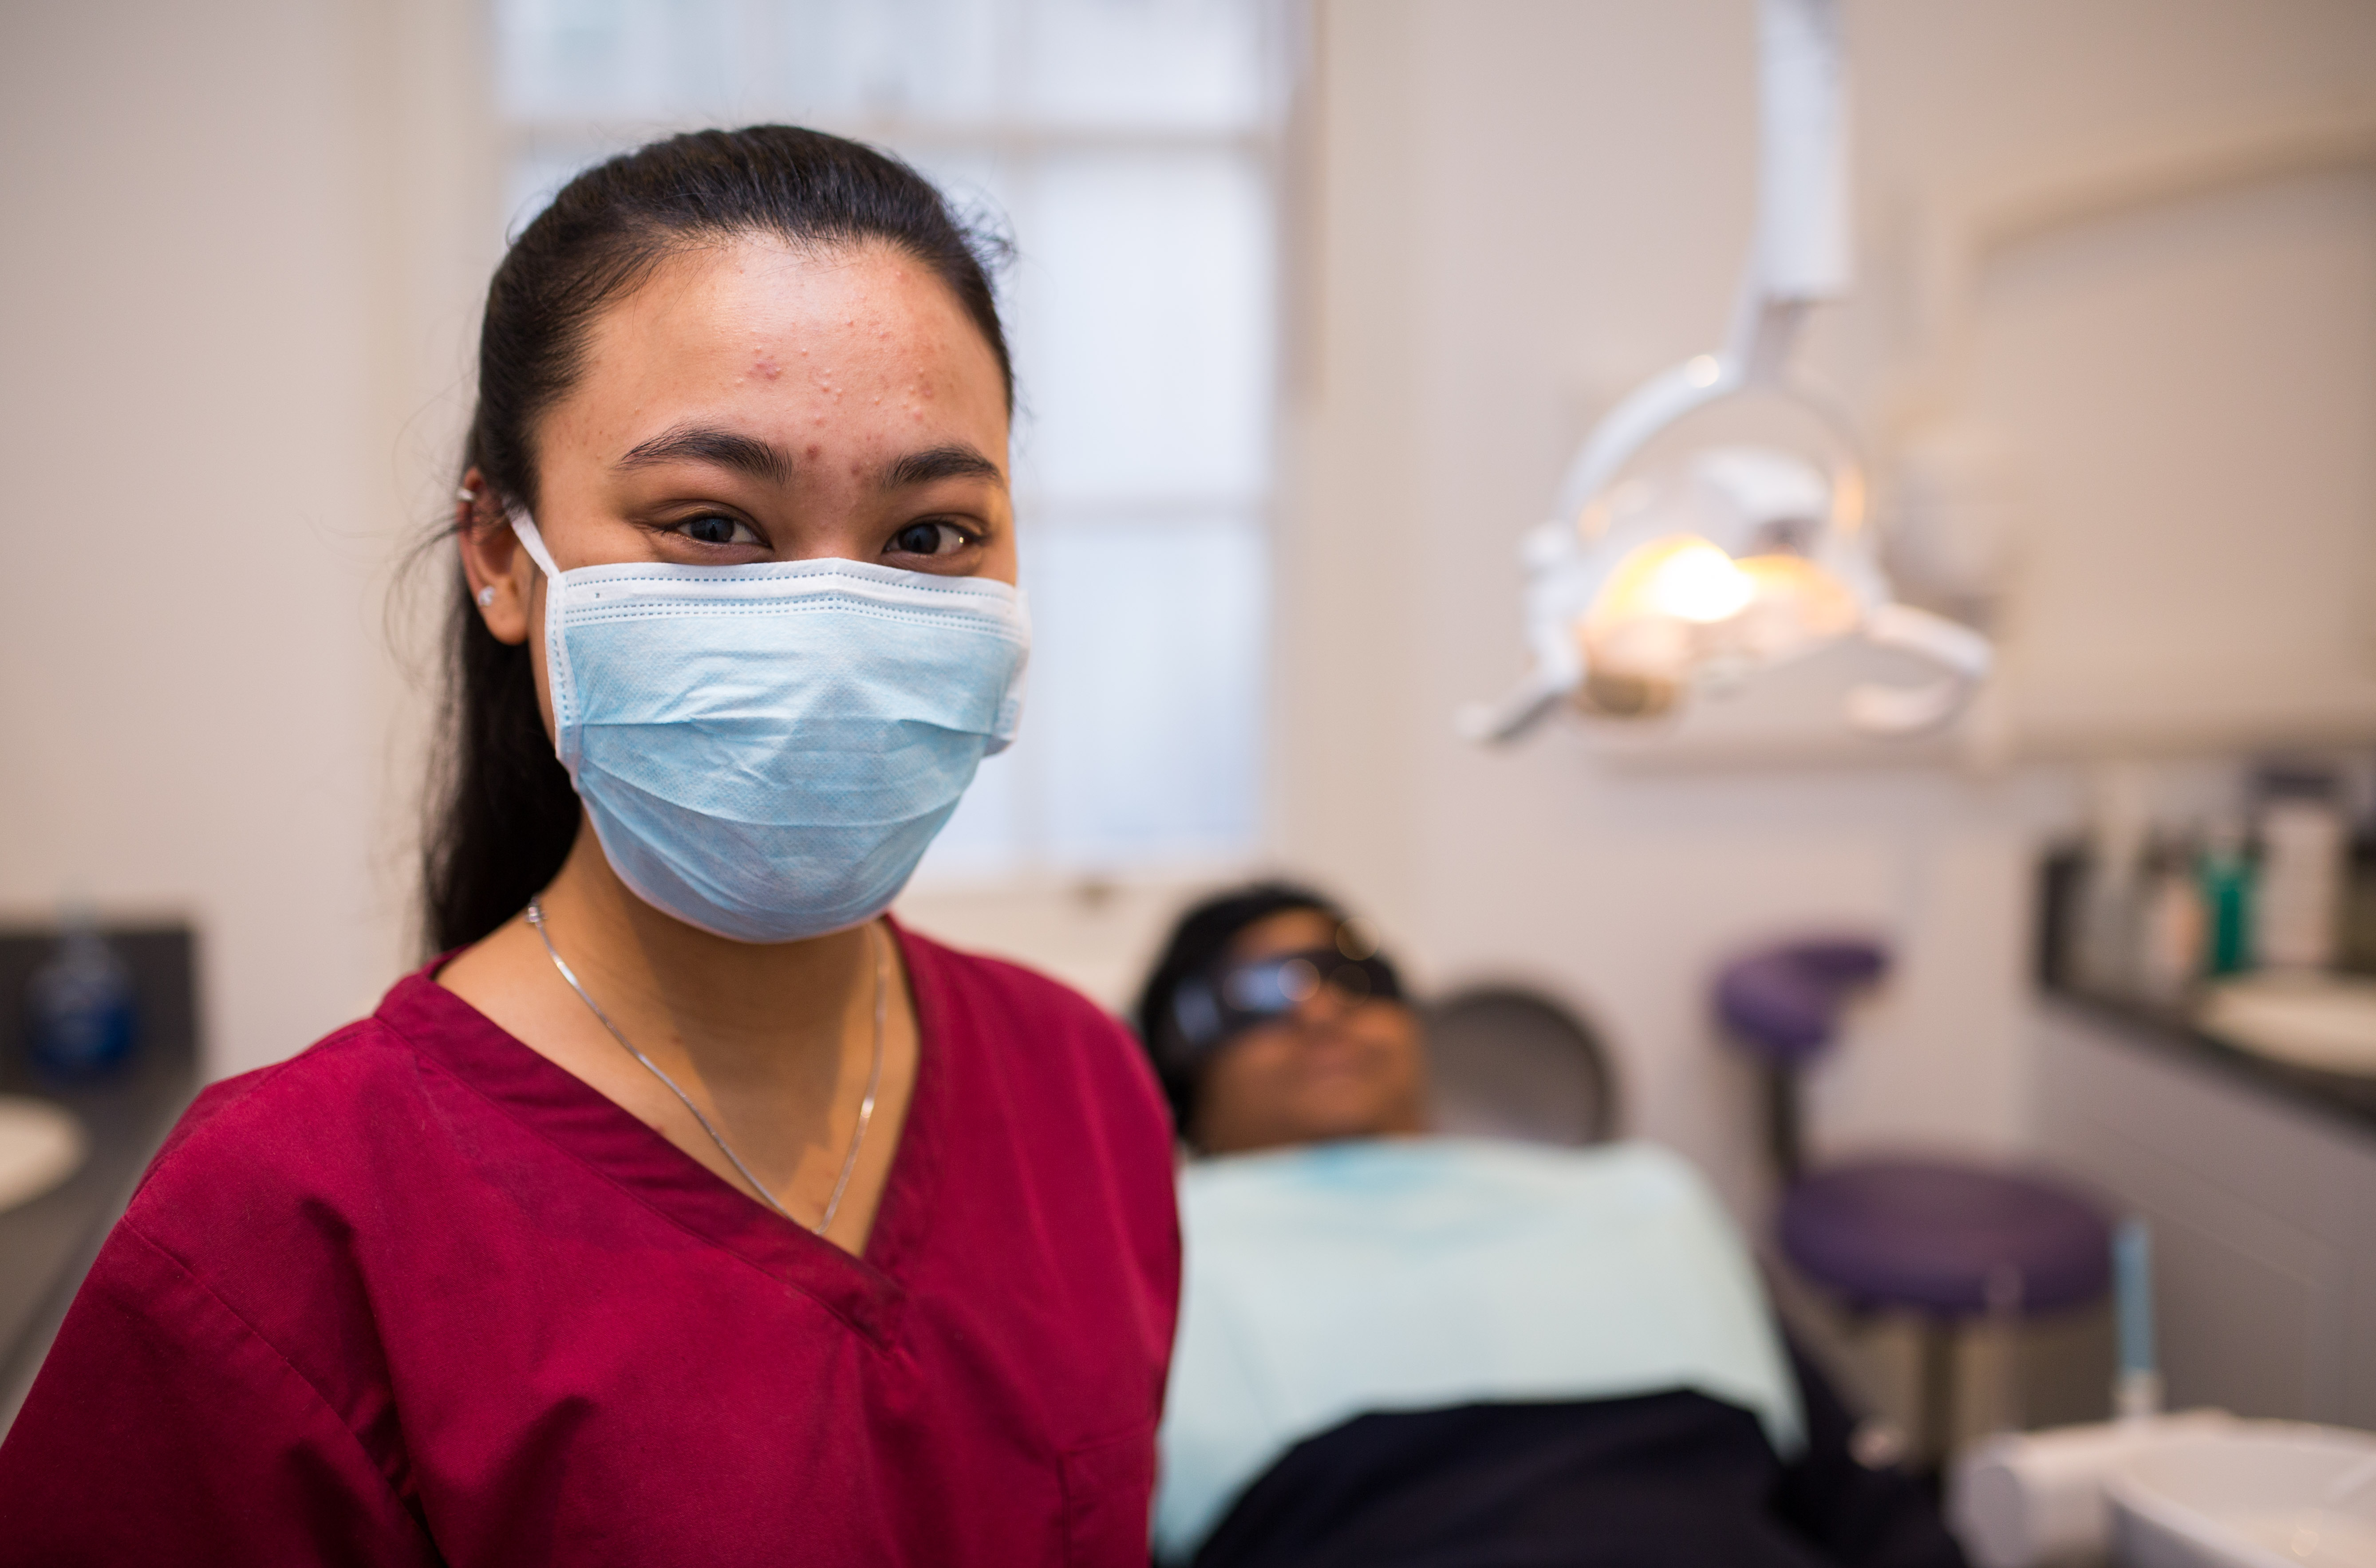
1507 1062
1951 1241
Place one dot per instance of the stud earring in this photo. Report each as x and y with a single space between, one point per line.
486 596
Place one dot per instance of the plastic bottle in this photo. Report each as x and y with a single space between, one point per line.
2111 882
82 1019
2136 1394
2298 912
2225 878
2171 927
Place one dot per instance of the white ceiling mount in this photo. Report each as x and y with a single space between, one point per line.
1652 587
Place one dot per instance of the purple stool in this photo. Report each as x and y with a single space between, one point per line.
1947 1239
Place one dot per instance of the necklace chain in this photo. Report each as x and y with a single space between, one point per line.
865 1106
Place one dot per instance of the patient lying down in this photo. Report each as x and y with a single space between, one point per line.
1403 1350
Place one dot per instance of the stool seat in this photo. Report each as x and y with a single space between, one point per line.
1936 1235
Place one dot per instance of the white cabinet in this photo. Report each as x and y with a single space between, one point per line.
2263 1213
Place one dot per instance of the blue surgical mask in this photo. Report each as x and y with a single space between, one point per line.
766 750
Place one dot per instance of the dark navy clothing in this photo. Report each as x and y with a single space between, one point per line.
1662 1480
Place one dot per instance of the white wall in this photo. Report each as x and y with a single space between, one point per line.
1526 206
242 241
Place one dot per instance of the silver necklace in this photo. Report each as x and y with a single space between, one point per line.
865 1106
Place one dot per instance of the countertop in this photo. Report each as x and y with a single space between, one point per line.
2349 1097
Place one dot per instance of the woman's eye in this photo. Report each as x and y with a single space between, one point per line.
930 538
715 530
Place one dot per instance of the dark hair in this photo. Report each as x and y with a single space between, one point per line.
1201 935
506 814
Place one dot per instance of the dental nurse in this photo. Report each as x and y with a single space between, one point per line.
687 1210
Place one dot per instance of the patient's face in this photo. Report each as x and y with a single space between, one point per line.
1334 1069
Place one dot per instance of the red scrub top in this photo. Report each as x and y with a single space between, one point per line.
419 1295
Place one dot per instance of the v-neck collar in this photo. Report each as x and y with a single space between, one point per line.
866 1292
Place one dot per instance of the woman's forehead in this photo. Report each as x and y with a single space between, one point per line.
803 336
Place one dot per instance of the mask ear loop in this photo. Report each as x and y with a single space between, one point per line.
524 529
556 653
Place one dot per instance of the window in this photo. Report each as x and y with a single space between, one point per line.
1130 147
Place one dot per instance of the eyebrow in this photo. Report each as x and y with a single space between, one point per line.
766 460
708 443
953 461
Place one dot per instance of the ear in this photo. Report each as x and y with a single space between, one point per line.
501 576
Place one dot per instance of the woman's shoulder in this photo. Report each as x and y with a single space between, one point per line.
326 1132
300 1128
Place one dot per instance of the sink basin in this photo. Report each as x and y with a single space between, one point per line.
41 1146
2313 1021
2254 1494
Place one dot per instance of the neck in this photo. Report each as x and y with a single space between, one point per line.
676 988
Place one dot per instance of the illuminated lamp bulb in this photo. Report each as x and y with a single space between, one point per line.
1695 581
1682 576
1679 605
1643 634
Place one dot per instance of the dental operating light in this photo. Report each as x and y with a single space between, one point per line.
1675 569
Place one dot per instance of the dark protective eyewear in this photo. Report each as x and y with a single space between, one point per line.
1208 1009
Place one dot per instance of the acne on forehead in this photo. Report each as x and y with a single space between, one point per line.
763 319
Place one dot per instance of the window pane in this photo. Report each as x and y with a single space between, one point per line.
1149 701
1143 306
929 60
1184 64
1135 63
619 59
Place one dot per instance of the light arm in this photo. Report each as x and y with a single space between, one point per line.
1802 253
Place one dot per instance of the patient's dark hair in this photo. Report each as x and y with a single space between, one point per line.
504 814
1202 934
